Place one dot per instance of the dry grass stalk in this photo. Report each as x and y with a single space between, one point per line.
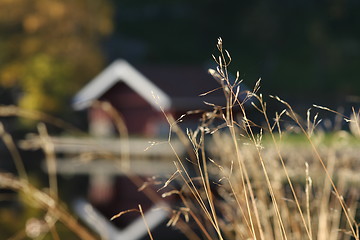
245 187
48 148
270 198
41 199
11 146
14 111
145 222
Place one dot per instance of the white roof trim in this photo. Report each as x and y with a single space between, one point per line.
121 70
134 231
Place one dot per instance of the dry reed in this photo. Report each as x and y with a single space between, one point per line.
250 188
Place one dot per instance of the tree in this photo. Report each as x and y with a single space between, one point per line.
49 48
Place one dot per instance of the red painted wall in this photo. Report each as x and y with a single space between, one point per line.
140 117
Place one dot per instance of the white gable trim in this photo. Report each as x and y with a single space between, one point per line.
121 70
134 231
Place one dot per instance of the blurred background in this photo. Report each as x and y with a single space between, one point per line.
305 51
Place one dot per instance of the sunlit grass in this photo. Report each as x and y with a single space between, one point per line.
273 177
272 181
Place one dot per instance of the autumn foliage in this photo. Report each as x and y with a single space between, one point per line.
49 48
